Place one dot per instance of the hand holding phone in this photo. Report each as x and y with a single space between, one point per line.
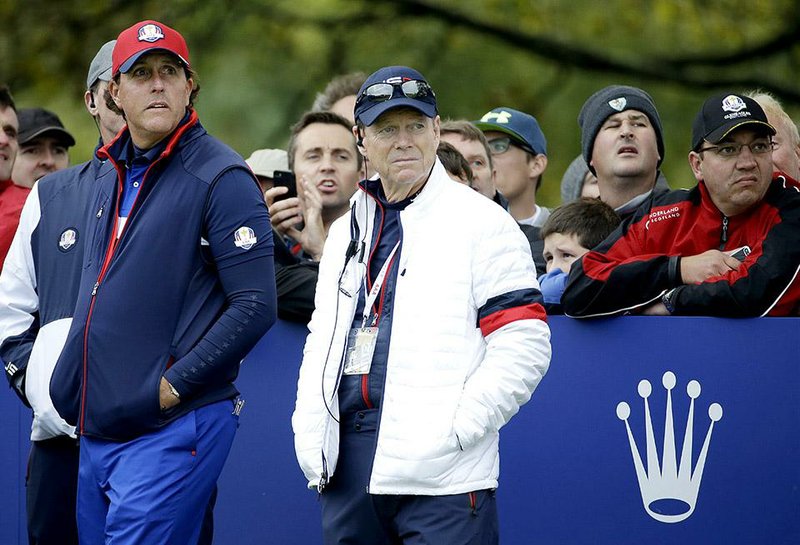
284 178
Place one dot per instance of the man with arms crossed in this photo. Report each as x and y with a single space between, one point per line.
401 437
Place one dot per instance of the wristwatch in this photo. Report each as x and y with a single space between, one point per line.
173 391
668 300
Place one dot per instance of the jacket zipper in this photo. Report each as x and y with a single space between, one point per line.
110 250
383 390
724 236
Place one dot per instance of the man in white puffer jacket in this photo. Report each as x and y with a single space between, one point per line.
428 336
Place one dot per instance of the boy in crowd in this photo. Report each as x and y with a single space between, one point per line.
571 231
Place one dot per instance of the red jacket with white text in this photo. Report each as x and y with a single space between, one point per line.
640 261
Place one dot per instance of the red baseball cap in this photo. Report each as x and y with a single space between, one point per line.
143 37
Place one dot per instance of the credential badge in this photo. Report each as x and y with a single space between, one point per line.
67 239
618 103
732 103
244 238
150 33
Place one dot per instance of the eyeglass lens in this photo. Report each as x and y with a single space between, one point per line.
499 145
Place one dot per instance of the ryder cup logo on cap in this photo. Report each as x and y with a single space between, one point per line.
732 103
150 33
143 37
724 113
394 87
244 238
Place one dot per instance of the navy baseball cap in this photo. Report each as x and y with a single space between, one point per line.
394 87
521 127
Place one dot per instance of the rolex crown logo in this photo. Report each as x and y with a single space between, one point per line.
669 489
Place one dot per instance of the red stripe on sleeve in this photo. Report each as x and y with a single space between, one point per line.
498 319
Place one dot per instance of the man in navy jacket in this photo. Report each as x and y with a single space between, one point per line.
177 287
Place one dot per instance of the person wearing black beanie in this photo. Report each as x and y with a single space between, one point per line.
622 143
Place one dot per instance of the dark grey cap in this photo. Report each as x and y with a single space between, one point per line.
572 181
612 100
100 68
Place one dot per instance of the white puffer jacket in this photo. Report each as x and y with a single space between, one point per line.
448 388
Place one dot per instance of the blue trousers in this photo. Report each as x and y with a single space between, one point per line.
154 489
352 516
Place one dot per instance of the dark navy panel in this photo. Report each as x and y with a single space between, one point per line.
567 474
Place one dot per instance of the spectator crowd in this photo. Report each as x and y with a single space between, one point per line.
374 195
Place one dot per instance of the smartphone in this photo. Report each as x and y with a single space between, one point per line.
284 178
740 253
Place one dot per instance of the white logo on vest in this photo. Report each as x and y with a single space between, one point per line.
669 490
68 239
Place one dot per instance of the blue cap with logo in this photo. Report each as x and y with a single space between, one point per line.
394 87
521 127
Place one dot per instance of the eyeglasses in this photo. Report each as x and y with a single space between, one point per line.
379 92
498 146
732 149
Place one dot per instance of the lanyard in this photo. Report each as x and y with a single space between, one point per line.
376 287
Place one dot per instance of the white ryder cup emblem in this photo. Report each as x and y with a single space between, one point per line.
150 33
669 490
732 103
244 238
618 103
68 239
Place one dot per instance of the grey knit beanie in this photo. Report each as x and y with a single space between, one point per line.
609 101
572 181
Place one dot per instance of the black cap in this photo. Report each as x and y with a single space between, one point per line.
724 113
34 122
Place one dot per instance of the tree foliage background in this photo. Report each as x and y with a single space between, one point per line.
261 62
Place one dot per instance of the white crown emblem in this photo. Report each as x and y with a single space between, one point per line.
732 103
669 492
150 33
618 103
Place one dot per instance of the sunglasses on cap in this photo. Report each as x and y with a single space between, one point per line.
498 146
380 92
